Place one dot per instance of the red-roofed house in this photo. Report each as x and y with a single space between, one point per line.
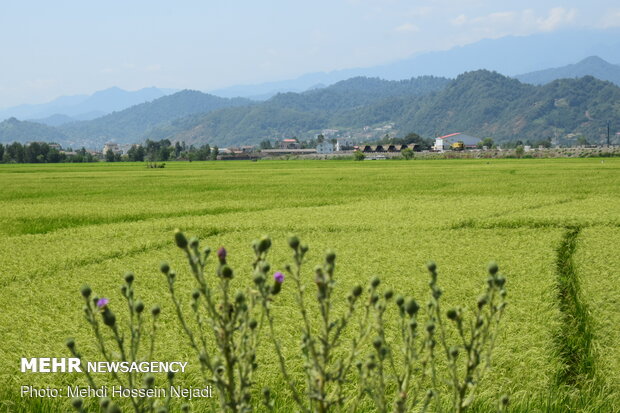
290 144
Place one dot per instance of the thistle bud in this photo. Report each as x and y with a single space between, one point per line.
155 311
411 307
104 403
180 239
357 291
275 289
400 301
482 301
505 400
430 327
330 257
293 242
194 243
170 375
431 266
452 314
86 291
389 294
164 267
109 319
149 380
303 248
70 343
139 306
129 277
239 297
226 272
454 352
377 343
264 244
196 294
375 282
493 268
259 279
253 324
500 281
77 403
113 408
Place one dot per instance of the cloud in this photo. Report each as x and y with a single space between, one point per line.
407 28
557 18
611 19
420 11
517 21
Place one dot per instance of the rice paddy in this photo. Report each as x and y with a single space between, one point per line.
552 225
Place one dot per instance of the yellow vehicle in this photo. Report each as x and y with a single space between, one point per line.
457 146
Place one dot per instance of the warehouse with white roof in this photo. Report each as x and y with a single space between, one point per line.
443 142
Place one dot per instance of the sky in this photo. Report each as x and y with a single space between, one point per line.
68 47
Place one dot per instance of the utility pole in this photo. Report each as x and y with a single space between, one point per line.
608 122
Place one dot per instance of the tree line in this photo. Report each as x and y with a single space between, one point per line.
41 152
164 150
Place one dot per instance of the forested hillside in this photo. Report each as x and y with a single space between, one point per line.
479 103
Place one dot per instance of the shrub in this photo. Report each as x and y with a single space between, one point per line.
407 153
358 156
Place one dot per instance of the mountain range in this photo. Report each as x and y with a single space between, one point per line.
67 109
480 103
366 103
510 55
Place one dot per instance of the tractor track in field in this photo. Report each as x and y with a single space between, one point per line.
574 339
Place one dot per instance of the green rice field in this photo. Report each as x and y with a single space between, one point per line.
552 225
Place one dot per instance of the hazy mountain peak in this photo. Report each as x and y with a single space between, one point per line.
590 66
80 106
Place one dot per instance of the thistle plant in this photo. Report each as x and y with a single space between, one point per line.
416 372
124 343
225 327
350 356
326 368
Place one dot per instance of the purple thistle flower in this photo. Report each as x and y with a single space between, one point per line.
279 277
221 253
102 302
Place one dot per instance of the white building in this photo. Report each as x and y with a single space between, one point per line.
111 147
344 144
325 147
443 143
